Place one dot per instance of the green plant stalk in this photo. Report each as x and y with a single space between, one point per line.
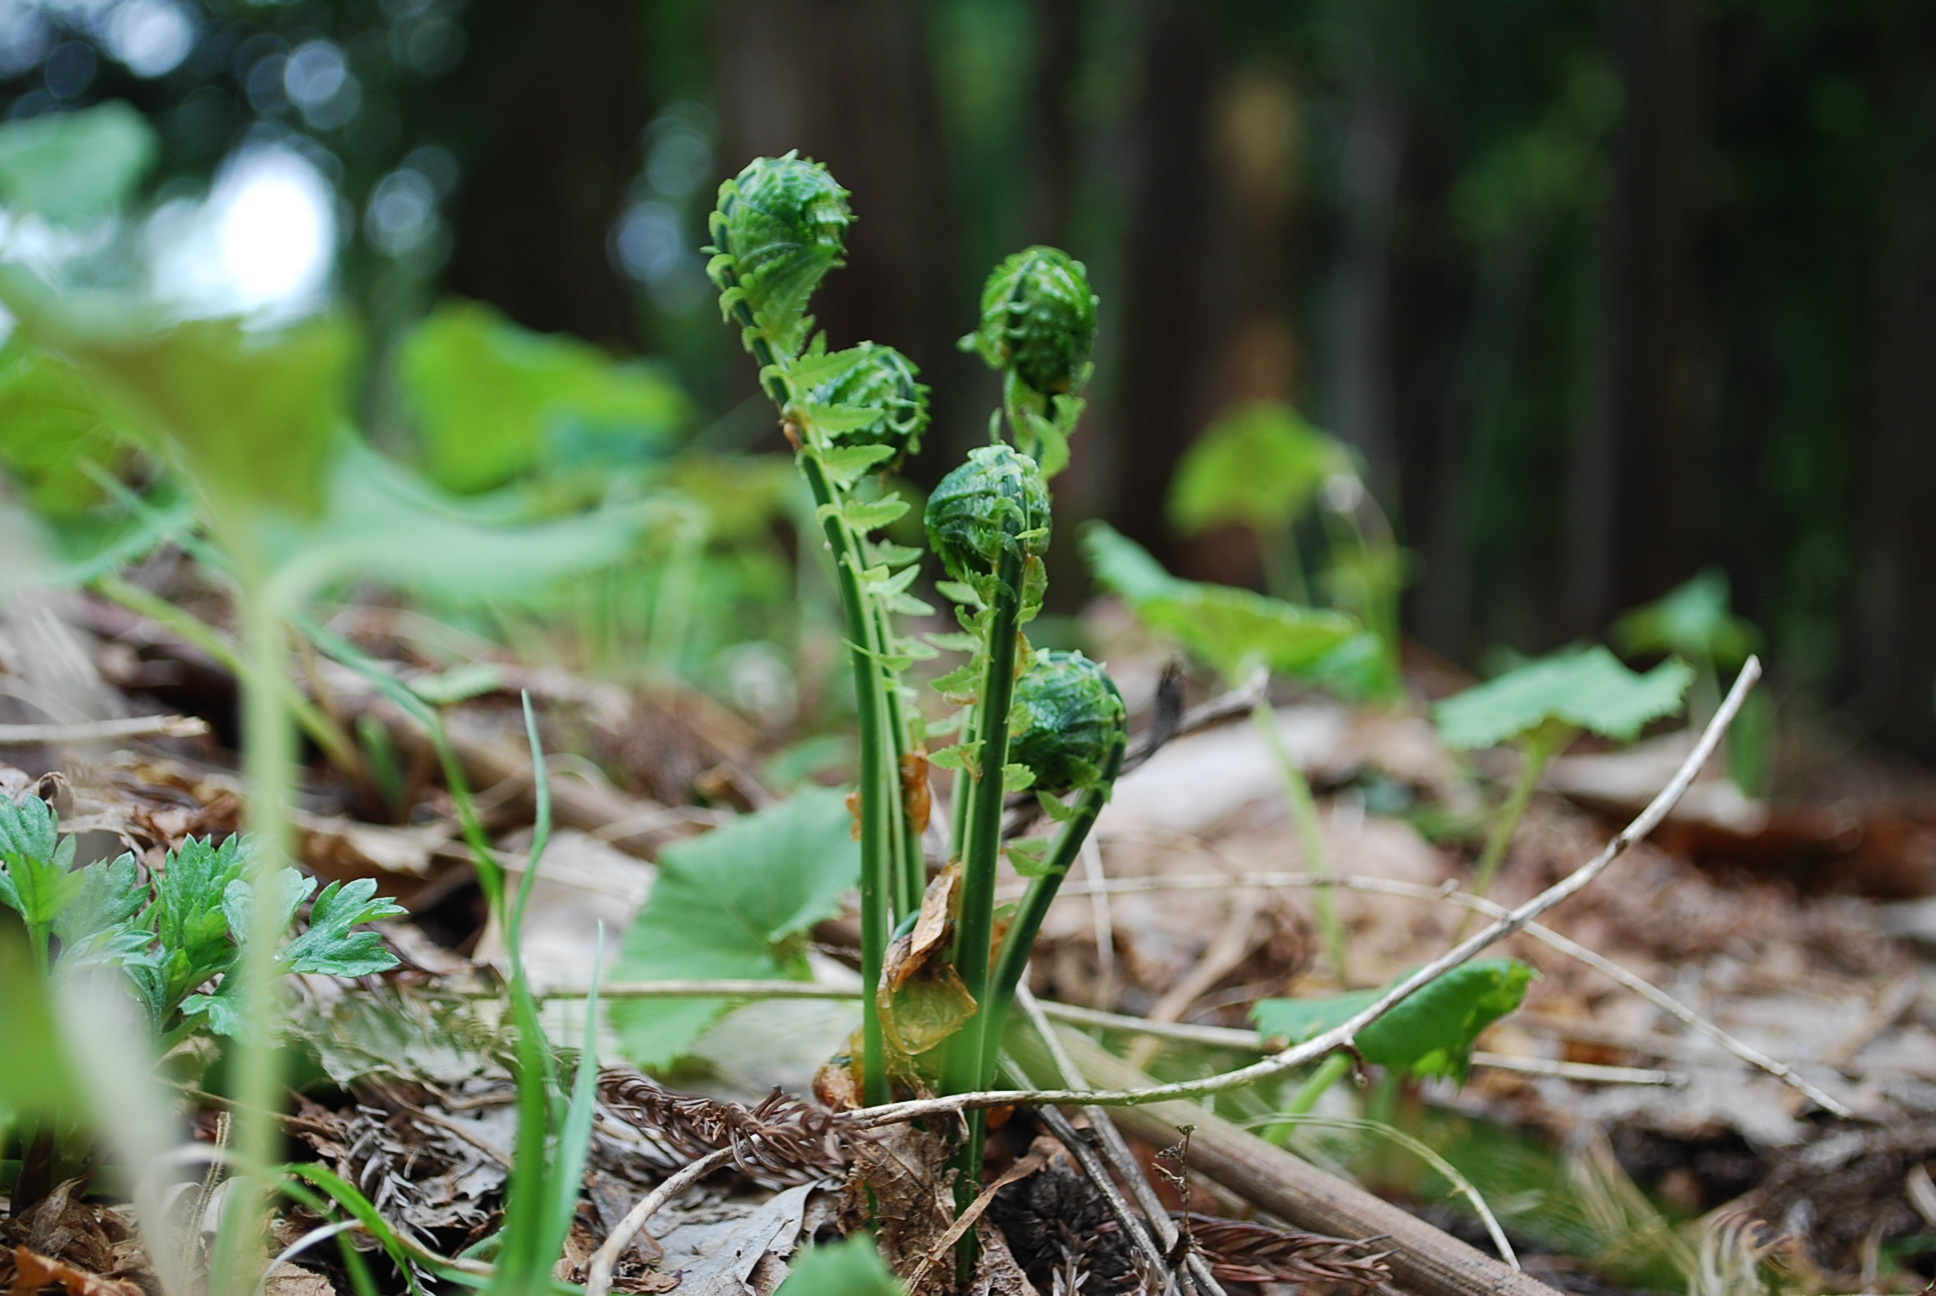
1020 940
964 1066
910 860
1283 570
1537 751
880 772
879 782
1328 1073
1304 818
974 930
268 763
337 745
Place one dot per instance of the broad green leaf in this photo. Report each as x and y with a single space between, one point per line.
1589 690
1237 630
329 946
1234 630
851 1267
1692 621
255 417
1430 1033
1125 567
74 168
1257 466
736 903
494 400
51 424
383 524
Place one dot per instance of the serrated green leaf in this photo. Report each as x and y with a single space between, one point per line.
287 890
847 464
1027 855
870 515
1590 690
329 946
37 877
832 420
1017 778
893 555
908 605
954 757
955 641
815 370
1055 807
1431 1033
962 681
188 921
77 167
957 592
734 903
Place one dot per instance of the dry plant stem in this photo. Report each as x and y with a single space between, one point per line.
1310 836
1341 1035
1110 1147
598 1277
160 726
1536 753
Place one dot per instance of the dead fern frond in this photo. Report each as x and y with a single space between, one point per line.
779 1141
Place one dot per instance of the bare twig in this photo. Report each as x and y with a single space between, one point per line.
1342 1035
598 1279
1252 1041
1545 935
158 726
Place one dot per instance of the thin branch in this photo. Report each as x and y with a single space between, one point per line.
1253 1042
1653 994
157 726
1343 1034
598 1280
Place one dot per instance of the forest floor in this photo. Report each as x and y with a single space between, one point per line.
1618 1145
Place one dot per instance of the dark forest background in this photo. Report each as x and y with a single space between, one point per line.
1603 291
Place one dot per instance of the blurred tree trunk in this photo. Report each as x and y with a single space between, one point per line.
849 83
1894 646
1174 322
546 107
1632 486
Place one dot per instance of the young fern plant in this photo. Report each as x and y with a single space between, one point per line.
780 226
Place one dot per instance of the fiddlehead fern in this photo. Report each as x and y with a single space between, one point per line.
1071 729
778 229
1038 325
780 226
